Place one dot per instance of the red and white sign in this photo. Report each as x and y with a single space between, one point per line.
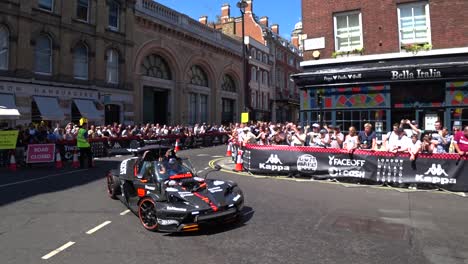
40 153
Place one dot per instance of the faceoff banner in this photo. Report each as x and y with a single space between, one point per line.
444 170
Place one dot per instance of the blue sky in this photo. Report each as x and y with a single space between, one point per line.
286 15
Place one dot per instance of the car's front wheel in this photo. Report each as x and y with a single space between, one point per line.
147 214
113 185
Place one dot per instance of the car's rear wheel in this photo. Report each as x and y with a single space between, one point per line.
147 214
113 185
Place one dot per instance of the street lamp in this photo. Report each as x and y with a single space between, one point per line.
242 4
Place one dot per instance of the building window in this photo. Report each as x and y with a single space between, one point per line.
82 9
193 108
203 108
252 53
348 31
265 58
80 62
156 66
199 76
114 12
291 60
265 78
43 55
259 75
4 48
414 23
112 66
228 84
253 74
259 55
46 4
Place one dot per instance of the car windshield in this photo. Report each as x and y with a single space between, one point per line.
172 168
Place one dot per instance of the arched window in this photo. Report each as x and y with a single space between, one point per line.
156 66
259 55
253 74
80 62
265 77
253 51
4 48
112 66
43 55
198 76
228 84
265 58
259 75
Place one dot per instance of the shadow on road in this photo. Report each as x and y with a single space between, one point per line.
247 213
23 184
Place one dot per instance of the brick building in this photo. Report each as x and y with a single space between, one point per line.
60 60
184 71
381 61
271 60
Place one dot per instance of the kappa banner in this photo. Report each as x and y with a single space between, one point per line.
446 171
40 153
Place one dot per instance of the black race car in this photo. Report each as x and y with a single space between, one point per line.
164 191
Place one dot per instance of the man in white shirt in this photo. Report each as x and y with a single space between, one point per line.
402 143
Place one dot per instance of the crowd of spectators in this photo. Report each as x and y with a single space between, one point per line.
42 133
405 136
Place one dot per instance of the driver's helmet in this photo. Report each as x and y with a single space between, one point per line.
172 162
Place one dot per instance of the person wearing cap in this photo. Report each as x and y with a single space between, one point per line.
248 137
83 145
336 137
367 137
323 140
314 134
461 142
414 127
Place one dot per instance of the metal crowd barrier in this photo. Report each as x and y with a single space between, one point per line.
103 147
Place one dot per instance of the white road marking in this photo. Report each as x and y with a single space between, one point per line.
217 156
125 212
202 155
98 227
45 177
58 250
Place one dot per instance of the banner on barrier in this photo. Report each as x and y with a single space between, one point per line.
448 173
8 139
40 153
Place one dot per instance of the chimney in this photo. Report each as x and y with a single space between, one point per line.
225 12
249 8
295 41
275 29
203 20
264 21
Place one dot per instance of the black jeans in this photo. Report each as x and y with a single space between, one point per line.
86 153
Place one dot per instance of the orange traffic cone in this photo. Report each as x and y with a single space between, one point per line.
177 147
229 150
12 162
239 163
58 160
76 162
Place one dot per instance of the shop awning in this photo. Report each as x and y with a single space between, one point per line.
8 109
88 109
49 108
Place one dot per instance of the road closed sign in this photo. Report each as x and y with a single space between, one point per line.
40 153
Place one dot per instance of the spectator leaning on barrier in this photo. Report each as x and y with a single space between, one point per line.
391 137
314 135
461 142
83 144
442 141
367 137
402 143
456 128
427 144
336 137
297 136
415 147
351 142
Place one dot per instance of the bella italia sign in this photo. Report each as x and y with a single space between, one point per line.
416 74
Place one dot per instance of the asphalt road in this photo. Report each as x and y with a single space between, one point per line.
48 213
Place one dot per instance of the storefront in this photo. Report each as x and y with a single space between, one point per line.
386 88
23 103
